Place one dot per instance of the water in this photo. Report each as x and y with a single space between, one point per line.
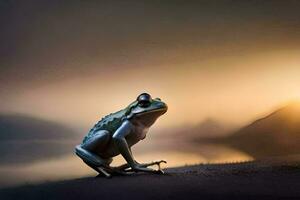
69 166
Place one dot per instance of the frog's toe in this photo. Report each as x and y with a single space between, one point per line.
103 172
160 171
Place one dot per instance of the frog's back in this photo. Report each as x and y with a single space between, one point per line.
109 123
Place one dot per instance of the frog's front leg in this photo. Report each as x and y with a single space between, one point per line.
125 167
119 139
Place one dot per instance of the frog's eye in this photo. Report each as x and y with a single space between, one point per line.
144 100
144 104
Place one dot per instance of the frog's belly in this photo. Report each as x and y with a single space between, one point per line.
137 134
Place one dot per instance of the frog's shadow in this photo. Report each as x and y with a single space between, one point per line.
132 175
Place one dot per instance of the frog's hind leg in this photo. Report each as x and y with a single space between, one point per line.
97 142
99 169
87 153
93 160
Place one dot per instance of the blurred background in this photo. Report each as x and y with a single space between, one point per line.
229 71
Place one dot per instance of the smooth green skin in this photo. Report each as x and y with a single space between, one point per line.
115 134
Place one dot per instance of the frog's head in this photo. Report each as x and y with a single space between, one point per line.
146 110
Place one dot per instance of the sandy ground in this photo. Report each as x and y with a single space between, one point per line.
268 179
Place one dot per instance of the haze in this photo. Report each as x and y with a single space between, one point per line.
232 60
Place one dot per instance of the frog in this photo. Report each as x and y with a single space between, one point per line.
116 133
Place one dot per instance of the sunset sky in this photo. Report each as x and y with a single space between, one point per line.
75 62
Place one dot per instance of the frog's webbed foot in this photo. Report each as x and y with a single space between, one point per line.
108 172
154 163
159 170
126 169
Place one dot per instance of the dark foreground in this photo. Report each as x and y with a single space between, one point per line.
251 180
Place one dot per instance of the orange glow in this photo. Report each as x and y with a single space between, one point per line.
244 88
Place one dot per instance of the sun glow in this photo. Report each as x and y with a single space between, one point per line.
244 88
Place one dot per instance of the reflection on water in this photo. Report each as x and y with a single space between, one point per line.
70 166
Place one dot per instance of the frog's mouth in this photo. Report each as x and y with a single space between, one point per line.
148 116
156 110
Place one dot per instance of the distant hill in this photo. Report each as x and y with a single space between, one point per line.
276 134
210 128
25 139
201 132
22 127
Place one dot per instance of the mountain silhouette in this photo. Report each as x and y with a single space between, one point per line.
203 131
276 134
210 128
25 139
22 127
